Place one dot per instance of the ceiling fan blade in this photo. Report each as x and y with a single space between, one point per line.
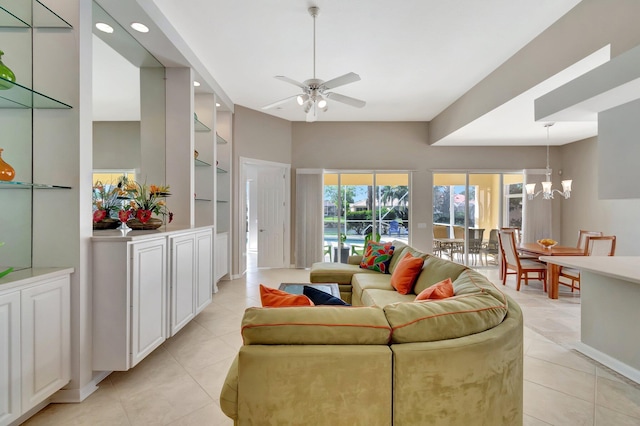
312 115
280 102
351 77
346 99
291 81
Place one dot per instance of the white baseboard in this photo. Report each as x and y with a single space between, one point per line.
79 395
608 361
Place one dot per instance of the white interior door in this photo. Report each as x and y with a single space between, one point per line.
271 217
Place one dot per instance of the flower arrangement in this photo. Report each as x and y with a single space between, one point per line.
145 200
106 200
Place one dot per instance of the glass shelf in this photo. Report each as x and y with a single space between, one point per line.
19 96
42 17
203 199
220 140
27 185
200 127
200 163
219 170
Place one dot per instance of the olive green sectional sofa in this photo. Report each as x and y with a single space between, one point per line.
387 360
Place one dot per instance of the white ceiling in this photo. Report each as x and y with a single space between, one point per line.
415 57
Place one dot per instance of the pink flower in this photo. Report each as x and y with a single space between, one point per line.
98 215
123 215
143 215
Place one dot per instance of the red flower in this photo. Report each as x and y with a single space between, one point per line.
143 215
98 215
123 215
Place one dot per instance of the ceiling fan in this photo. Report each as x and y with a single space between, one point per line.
315 92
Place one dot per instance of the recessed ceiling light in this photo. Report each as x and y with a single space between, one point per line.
140 27
196 83
105 28
217 105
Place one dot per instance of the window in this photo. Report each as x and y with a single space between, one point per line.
359 206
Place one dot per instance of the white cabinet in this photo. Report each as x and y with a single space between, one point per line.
148 297
204 269
222 255
46 345
183 282
9 357
35 333
147 285
129 301
191 278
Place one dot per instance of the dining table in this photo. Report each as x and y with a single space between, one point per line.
553 270
450 245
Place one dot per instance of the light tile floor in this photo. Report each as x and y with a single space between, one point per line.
179 383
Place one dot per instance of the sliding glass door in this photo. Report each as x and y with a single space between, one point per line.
363 206
468 210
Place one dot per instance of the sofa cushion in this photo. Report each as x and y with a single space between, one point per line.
377 256
441 290
275 298
379 297
398 252
432 320
361 282
436 270
406 272
333 272
323 325
471 281
319 297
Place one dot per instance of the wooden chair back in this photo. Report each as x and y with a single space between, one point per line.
583 234
508 247
600 245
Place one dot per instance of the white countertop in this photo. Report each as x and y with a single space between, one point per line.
131 235
31 275
621 267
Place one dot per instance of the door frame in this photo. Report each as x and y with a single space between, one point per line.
246 162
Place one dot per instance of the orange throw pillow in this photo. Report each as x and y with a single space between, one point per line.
272 297
406 273
440 290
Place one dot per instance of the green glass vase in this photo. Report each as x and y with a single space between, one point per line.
7 77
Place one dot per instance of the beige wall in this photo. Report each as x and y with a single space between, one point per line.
116 145
585 211
401 146
257 136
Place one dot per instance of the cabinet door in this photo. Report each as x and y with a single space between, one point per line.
9 357
148 297
46 347
222 255
183 281
204 269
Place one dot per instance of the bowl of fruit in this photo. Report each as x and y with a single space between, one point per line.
547 243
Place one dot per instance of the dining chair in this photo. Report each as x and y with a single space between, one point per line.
439 248
582 236
474 243
594 245
521 267
491 248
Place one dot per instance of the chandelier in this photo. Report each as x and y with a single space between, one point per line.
547 191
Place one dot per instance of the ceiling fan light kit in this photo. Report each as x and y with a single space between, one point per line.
315 92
